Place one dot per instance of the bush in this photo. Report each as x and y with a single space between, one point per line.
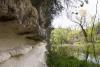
56 59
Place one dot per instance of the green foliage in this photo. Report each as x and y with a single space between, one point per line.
59 36
62 56
59 59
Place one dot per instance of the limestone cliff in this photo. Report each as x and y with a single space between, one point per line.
24 32
22 37
25 14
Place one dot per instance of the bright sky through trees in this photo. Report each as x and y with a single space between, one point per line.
62 21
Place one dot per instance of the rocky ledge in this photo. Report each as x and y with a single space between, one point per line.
18 51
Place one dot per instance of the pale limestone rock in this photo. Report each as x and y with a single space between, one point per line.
34 58
18 18
4 56
20 50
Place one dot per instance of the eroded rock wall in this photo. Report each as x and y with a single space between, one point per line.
26 15
22 39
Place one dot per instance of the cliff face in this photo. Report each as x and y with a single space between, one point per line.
22 35
23 27
25 14
16 9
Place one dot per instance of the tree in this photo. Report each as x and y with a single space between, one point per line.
79 17
59 36
93 29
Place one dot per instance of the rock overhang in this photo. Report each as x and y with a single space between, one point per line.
25 14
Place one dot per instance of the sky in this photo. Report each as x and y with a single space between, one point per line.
64 22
